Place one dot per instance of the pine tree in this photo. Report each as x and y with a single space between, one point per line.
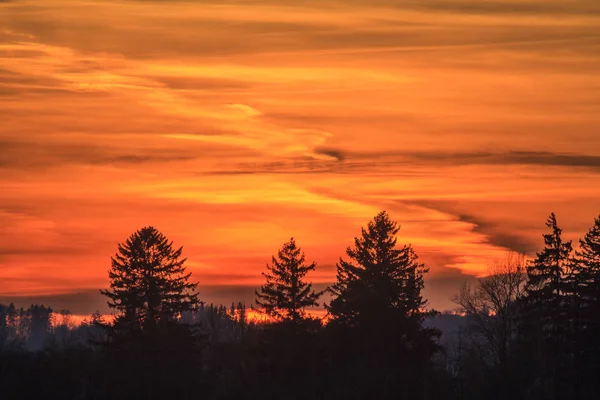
149 285
381 347
548 312
383 280
286 295
241 312
546 276
587 265
3 325
40 325
587 258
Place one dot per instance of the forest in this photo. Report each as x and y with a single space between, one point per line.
529 329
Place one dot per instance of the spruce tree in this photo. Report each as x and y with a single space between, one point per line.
546 277
382 280
40 326
587 258
149 285
377 312
3 326
587 264
286 295
242 319
548 312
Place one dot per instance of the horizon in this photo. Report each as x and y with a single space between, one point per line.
234 126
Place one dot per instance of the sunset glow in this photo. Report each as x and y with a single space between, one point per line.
232 126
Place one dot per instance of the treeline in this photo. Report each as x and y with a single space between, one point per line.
529 330
39 328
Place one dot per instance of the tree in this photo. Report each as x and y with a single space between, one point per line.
11 322
240 312
587 261
39 325
286 295
492 307
585 292
149 285
4 332
546 278
377 312
547 312
382 279
493 304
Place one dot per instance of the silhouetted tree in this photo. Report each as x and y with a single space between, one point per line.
584 284
378 303
546 315
242 319
492 308
286 345
545 275
40 326
286 295
95 328
11 323
4 329
492 305
587 259
149 285
381 280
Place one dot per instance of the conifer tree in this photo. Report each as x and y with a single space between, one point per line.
546 277
588 259
3 325
286 295
587 264
241 312
40 325
548 309
382 280
377 317
149 285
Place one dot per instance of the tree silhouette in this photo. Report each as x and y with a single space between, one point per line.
585 307
587 258
546 277
241 319
382 278
40 325
285 295
380 345
149 285
547 313
492 307
4 327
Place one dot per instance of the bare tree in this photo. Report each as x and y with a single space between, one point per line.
492 304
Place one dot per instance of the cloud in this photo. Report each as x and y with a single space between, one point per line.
202 83
499 235
342 161
533 8
511 158
37 155
537 158
497 229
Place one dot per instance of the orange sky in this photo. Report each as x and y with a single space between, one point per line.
231 126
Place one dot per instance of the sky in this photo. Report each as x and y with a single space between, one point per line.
233 125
